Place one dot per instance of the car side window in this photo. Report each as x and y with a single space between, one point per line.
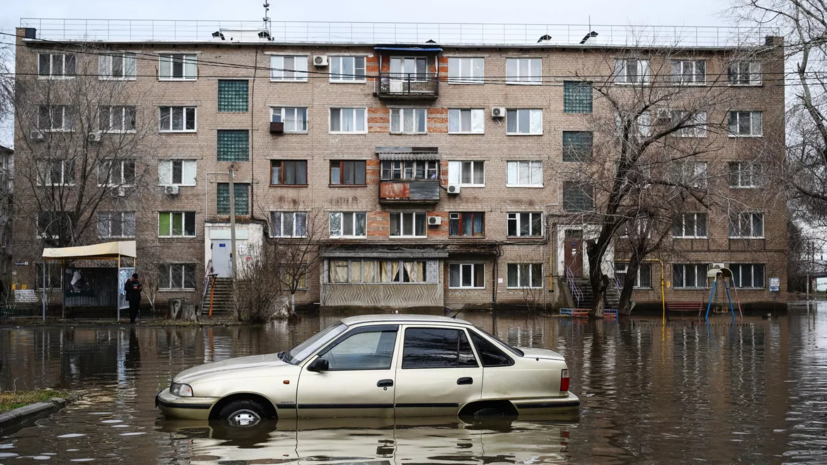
437 348
489 353
365 350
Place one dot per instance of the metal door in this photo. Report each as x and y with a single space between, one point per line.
573 250
221 264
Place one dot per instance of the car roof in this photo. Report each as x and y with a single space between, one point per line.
402 318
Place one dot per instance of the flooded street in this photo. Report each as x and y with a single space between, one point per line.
753 392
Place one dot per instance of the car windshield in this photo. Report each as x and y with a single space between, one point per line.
297 354
512 349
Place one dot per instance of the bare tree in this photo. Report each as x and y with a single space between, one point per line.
260 292
300 257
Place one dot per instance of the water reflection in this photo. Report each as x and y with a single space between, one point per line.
752 392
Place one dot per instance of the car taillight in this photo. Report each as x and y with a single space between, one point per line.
564 380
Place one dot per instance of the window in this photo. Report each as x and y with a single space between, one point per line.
347 69
232 95
461 121
369 350
56 172
117 66
466 276
691 174
525 275
746 225
52 224
745 124
744 175
577 197
178 67
177 119
176 224
641 123
407 224
523 70
577 145
524 174
117 119
524 122
293 273
348 224
689 276
288 224
466 173
745 73
692 125
466 224
56 118
54 276
640 226
343 120
176 172
409 69
466 70
294 118
577 97
525 224
350 173
241 195
631 71
116 224
690 225
436 348
749 275
177 276
688 71
288 68
288 172
233 145
409 170
643 278
55 65
489 353
116 173
409 121
356 271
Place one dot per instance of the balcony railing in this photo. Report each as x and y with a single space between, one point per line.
408 85
409 191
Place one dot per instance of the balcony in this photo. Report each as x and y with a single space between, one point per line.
420 192
408 86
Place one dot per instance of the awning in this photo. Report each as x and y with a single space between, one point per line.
385 254
410 49
105 251
408 153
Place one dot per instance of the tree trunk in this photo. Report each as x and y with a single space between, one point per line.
624 306
597 279
292 304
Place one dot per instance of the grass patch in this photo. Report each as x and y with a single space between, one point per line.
10 400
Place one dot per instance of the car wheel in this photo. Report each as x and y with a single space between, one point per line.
488 412
242 413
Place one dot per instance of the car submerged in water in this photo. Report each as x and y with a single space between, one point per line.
377 366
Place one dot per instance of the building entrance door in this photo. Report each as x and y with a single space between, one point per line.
573 251
221 264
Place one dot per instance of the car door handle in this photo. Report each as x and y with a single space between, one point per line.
384 383
465 380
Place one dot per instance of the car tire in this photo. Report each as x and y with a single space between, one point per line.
243 413
488 412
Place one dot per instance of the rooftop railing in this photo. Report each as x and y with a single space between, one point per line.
131 30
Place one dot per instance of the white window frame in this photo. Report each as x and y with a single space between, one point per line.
516 218
740 233
109 223
474 115
680 66
752 123
183 224
113 113
696 124
694 234
193 164
458 167
532 114
281 227
637 277
339 78
278 68
417 114
456 63
700 172
184 110
118 172
753 170
282 113
753 72
621 71
341 233
187 58
532 79
405 75
169 268
530 276
46 164
128 66
475 267
67 116
355 111
407 170
414 216
752 274
517 164
51 59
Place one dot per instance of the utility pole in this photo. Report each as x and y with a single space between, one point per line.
807 251
232 220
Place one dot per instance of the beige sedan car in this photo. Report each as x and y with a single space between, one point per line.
377 366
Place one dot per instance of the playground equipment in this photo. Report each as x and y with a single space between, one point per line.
721 283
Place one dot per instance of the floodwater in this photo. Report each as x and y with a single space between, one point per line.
754 392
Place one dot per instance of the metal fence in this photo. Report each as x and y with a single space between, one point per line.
397 33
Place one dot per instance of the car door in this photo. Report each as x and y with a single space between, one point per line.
360 377
437 372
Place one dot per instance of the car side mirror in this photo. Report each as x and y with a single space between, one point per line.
319 365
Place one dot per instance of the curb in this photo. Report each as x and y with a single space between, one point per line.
20 416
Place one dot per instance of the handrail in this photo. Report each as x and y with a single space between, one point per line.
573 287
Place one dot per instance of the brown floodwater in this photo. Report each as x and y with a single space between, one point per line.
750 392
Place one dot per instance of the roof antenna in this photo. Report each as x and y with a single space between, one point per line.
266 19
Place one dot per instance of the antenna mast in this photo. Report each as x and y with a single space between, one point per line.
267 24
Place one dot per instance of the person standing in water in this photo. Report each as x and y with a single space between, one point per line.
133 290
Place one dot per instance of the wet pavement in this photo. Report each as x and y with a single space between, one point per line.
753 392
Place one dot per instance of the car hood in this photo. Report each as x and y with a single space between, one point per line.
541 353
230 367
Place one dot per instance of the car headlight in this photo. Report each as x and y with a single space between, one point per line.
180 390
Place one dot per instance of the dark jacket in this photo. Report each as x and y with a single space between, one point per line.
132 289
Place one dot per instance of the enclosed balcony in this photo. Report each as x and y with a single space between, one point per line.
409 175
408 73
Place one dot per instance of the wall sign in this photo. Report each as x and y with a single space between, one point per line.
775 284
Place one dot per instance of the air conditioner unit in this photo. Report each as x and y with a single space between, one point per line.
434 220
320 60
94 136
498 112
36 136
453 188
718 265
171 190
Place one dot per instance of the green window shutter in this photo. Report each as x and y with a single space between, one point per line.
577 97
163 224
232 96
242 199
233 145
